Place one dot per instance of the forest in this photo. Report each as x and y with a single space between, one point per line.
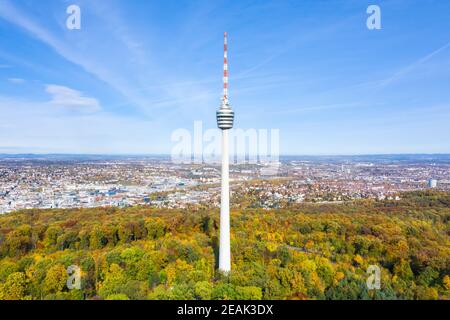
301 251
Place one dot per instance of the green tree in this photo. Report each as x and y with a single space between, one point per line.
224 291
118 296
97 239
203 290
19 240
131 257
14 287
56 279
248 293
114 282
6 268
51 236
155 228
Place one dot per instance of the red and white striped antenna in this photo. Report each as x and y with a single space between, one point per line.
225 115
225 69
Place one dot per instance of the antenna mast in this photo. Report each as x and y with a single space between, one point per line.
225 69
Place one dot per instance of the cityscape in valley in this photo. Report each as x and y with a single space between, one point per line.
64 181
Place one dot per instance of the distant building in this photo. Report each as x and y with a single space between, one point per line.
432 183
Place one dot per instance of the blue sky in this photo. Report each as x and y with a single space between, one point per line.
138 70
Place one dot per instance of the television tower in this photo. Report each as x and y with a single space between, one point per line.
225 119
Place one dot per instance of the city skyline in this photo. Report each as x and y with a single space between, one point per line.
88 182
312 70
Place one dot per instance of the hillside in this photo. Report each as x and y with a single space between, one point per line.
313 251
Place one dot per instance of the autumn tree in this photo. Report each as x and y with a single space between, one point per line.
14 288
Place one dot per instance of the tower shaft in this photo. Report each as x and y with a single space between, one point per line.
225 250
225 120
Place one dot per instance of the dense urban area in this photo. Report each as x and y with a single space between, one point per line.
47 182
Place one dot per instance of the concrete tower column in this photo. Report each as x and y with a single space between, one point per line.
225 120
225 251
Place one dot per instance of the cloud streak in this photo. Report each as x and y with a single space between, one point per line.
65 97
16 80
13 15
29 126
410 68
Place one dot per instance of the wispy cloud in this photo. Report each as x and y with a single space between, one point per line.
69 98
320 108
16 80
299 39
67 50
413 66
123 61
32 126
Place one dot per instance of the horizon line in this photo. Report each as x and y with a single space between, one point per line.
168 154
